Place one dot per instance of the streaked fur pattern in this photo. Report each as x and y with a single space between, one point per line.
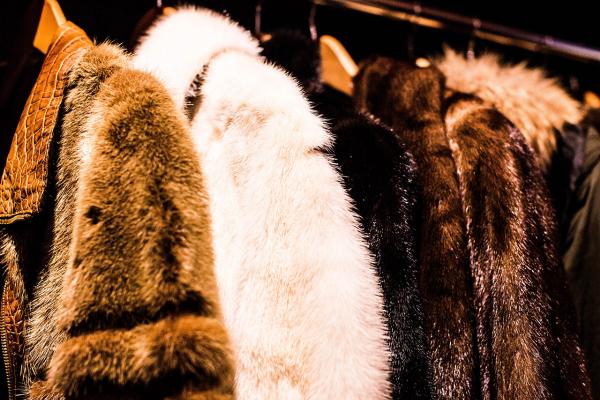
535 103
299 290
410 100
131 305
528 347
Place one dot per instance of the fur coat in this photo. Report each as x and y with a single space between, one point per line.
379 172
297 282
410 100
532 349
538 106
526 343
127 306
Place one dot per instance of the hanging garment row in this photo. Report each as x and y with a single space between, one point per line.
218 216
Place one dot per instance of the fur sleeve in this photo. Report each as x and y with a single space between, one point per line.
379 173
139 308
409 99
299 290
528 347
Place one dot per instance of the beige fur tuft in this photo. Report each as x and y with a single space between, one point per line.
535 103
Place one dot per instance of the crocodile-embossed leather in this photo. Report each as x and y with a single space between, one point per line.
12 318
26 172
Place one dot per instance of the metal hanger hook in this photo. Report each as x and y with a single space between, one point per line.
312 26
476 24
410 38
258 19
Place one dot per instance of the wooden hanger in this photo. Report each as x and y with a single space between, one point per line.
168 10
337 66
51 20
591 99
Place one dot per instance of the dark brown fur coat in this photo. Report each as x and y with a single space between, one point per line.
410 100
527 342
128 305
479 176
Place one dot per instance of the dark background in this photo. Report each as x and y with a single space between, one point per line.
574 20
363 35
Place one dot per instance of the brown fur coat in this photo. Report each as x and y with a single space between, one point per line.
479 177
527 342
536 104
128 305
410 100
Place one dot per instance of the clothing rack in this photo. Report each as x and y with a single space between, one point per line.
436 18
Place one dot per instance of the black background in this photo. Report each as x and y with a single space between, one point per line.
363 35
573 20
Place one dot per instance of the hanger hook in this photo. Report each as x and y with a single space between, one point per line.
312 26
476 25
410 38
258 19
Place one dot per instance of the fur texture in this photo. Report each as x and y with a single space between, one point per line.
410 100
379 175
536 104
299 291
129 302
528 347
379 172
42 333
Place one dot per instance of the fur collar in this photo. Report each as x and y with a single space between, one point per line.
536 104
129 301
299 291
169 39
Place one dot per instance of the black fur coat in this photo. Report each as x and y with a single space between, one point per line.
379 174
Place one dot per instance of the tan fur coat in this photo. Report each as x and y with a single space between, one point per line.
127 306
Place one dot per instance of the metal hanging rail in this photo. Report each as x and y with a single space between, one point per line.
436 18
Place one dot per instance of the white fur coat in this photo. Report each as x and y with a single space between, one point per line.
299 292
